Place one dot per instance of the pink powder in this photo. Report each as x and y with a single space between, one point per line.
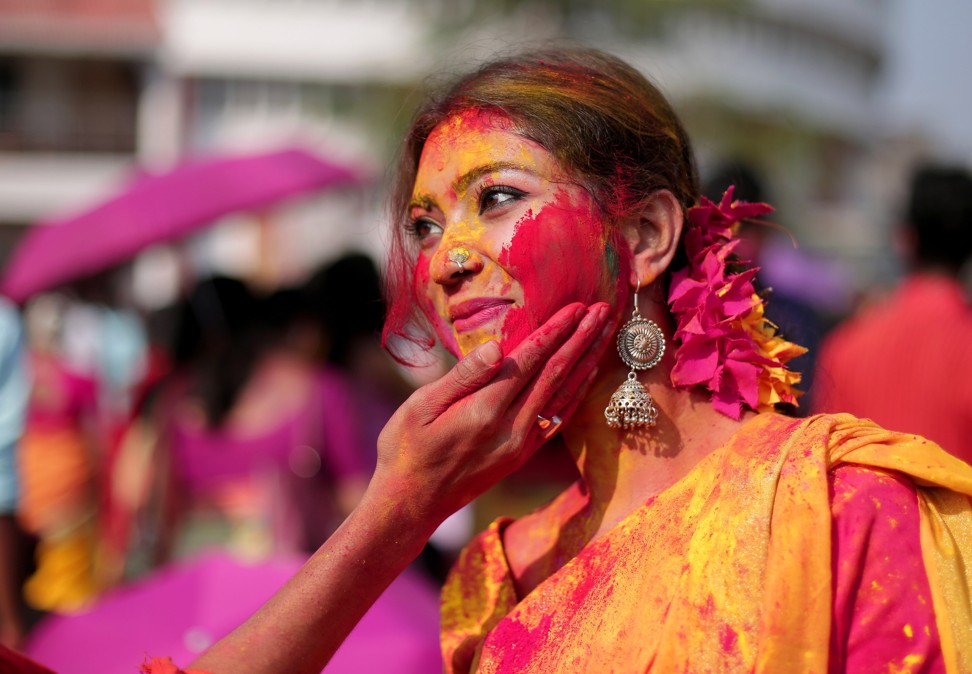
728 638
523 642
559 255
440 325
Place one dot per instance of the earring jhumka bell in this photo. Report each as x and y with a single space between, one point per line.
641 345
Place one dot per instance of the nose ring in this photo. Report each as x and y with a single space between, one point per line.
459 256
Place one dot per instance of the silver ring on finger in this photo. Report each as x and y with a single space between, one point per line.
551 425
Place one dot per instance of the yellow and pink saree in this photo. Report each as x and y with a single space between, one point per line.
819 545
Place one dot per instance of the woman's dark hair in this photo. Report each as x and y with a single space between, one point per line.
603 120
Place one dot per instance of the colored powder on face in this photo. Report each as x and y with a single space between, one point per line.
559 255
560 251
440 325
460 145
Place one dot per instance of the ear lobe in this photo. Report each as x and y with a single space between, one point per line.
653 235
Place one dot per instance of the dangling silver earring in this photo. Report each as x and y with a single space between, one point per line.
641 345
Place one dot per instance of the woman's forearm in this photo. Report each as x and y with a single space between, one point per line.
302 626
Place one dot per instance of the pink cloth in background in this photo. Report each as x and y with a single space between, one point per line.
60 397
329 423
293 471
882 601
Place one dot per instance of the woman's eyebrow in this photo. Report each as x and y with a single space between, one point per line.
423 201
462 182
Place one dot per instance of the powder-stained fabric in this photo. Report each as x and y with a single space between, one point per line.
815 545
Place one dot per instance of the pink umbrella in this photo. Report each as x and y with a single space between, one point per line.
179 611
162 207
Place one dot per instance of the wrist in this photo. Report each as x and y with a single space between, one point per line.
401 509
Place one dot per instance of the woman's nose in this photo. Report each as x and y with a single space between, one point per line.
454 262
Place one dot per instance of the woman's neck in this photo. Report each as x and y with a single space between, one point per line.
620 470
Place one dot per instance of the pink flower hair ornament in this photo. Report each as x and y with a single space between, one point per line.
726 344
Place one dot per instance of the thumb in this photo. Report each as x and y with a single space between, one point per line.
470 374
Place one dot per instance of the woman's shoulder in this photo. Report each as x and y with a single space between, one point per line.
845 439
858 440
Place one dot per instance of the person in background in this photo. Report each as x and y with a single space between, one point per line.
345 298
59 463
307 620
14 389
907 363
259 444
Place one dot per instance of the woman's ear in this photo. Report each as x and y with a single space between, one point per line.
653 235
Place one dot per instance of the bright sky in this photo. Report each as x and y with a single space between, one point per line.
929 84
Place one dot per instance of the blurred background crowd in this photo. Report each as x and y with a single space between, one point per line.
191 233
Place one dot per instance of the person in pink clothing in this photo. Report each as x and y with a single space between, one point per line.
255 448
906 363
59 462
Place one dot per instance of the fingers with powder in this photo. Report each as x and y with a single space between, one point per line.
469 375
452 438
560 381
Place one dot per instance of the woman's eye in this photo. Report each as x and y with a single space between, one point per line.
424 229
495 196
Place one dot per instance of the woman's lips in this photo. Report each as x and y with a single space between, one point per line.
473 314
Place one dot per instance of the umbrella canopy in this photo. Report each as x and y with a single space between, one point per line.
161 207
179 611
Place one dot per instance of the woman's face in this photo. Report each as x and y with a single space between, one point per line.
534 240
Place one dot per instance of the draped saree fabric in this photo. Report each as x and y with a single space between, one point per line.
731 568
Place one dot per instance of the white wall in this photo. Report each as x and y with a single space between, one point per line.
325 40
34 186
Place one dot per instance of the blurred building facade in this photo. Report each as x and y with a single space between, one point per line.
70 96
90 88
